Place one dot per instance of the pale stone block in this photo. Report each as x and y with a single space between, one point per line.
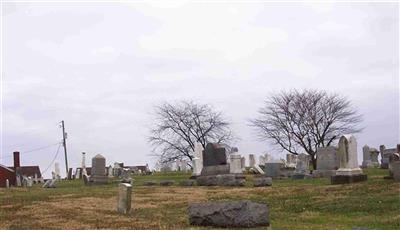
124 198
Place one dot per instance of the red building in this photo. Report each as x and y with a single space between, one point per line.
10 173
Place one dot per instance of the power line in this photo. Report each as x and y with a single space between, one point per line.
34 150
55 157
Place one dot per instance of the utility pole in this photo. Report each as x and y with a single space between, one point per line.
65 146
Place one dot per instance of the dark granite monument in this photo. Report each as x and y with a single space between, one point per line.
216 170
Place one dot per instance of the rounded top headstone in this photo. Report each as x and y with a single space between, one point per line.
99 156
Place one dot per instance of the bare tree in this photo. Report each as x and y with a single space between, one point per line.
180 125
302 121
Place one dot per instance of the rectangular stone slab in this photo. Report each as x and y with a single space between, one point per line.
344 179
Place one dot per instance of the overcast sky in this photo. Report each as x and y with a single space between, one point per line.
102 67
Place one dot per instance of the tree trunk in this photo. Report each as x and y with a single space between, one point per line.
314 162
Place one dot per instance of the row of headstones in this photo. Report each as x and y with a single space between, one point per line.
25 181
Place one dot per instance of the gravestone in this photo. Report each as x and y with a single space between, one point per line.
7 183
126 176
86 180
78 173
243 163
327 161
252 160
35 179
18 181
302 167
349 171
110 171
291 160
273 169
366 157
216 170
395 167
197 160
57 174
261 160
214 160
29 181
83 164
50 183
374 153
124 198
69 174
98 173
235 163
385 155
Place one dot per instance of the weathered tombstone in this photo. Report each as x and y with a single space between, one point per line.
86 180
53 175
126 176
214 160
374 153
18 181
302 166
235 164
35 179
385 155
57 174
78 173
327 161
396 171
124 198
252 160
29 182
243 214
273 169
395 157
69 174
366 157
243 163
98 172
83 164
349 171
110 171
7 183
197 160
291 160
216 170
50 183
261 160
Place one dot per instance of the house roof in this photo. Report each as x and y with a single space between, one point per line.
6 168
31 171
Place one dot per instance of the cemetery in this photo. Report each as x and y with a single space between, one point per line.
275 115
219 192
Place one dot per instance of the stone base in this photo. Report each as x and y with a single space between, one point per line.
262 181
323 173
298 176
344 179
222 180
99 180
215 170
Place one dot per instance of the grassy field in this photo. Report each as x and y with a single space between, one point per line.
306 204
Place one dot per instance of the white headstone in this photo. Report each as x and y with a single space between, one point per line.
36 180
29 182
235 165
83 166
347 150
243 163
18 182
197 166
7 183
57 171
252 160
198 152
124 198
